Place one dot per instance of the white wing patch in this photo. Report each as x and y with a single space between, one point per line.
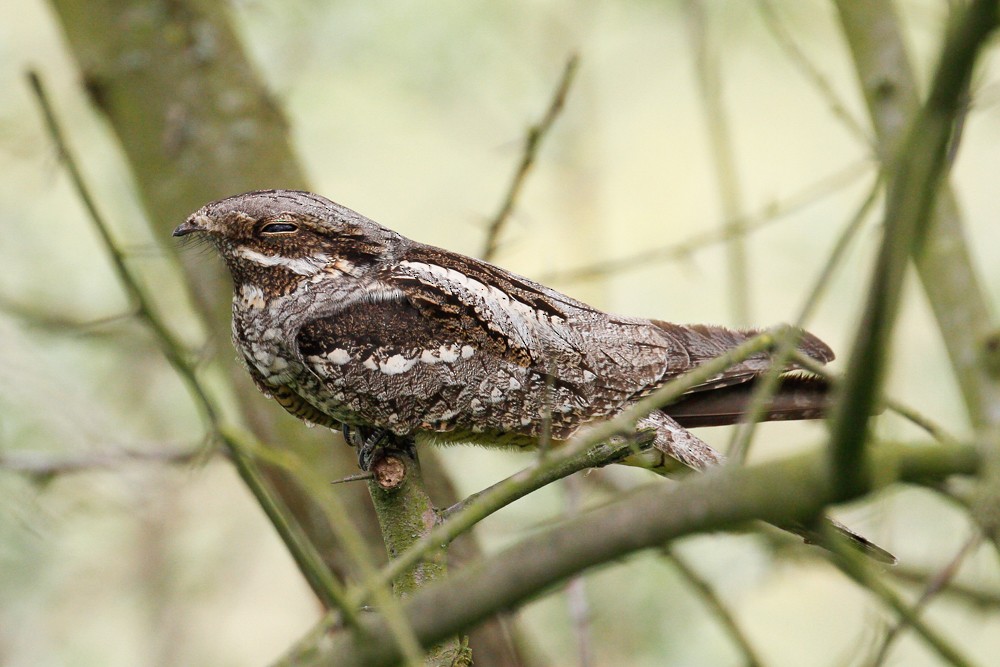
396 364
488 293
338 356
393 365
516 319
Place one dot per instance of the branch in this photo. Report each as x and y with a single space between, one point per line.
747 224
723 158
976 595
532 143
302 550
811 72
715 606
862 573
777 492
766 387
937 583
593 447
43 465
913 180
405 514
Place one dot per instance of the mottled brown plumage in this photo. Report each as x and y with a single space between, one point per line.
345 322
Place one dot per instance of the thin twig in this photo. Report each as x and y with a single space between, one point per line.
592 447
768 215
532 143
34 463
360 477
935 430
308 559
739 447
577 601
34 317
975 595
714 604
709 80
705 591
936 584
854 566
797 57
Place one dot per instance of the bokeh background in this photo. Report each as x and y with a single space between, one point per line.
414 114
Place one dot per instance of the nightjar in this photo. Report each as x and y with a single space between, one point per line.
350 325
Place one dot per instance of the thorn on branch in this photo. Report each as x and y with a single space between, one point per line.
360 477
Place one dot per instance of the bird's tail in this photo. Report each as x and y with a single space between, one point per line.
859 542
796 397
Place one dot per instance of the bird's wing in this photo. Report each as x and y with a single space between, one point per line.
450 342
469 347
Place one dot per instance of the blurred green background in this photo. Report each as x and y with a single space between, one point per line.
414 114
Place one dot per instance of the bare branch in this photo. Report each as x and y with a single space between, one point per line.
810 71
936 584
709 79
532 143
776 492
767 216
302 550
36 463
715 606
912 187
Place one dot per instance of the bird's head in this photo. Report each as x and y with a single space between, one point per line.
276 239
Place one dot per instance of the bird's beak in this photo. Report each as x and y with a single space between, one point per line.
196 223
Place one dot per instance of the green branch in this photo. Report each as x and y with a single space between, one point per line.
593 447
302 550
913 178
778 492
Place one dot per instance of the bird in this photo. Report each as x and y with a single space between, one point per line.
350 325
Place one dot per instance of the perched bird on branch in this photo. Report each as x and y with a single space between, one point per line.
350 325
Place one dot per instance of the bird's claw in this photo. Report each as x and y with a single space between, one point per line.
373 443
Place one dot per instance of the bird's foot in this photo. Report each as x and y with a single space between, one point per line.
376 443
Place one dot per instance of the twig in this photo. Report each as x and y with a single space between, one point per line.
306 557
809 70
59 322
739 447
853 565
532 143
768 215
975 595
577 601
704 590
591 448
714 604
360 477
913 183
34 463
710 88
922 421
937 583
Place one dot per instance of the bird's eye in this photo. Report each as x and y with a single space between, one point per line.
278 228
